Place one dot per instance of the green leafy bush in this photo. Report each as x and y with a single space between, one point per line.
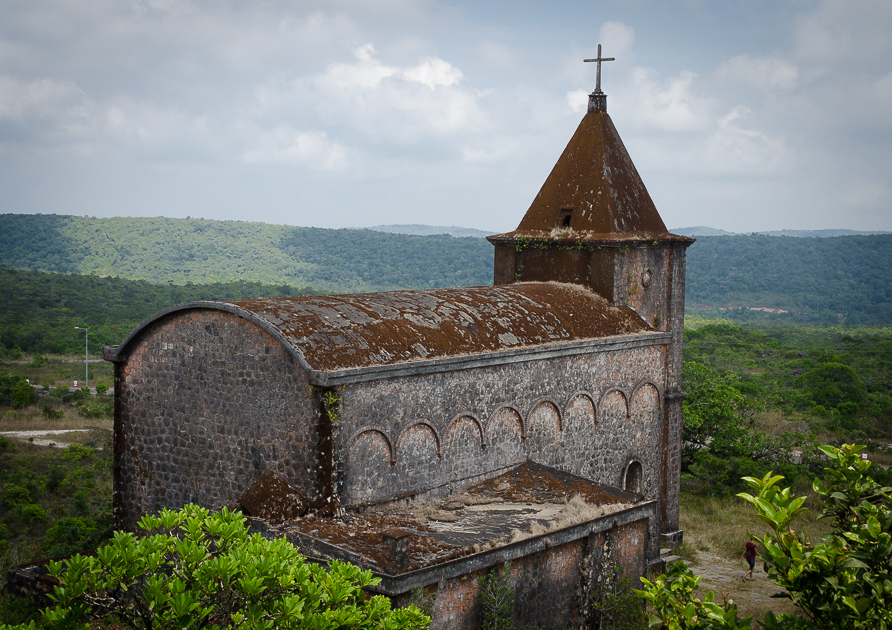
614 604
15 496
23 395
846 579
193 569
96 408
77 452
843 581
834 384
676 608
72 534
31 512
51 413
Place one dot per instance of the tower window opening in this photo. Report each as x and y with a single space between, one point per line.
565 218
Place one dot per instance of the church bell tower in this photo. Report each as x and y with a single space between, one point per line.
593 223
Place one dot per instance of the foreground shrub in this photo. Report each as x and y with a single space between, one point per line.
193 569
845 581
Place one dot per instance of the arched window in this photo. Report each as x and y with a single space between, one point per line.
633 478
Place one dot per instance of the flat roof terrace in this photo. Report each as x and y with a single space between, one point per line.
527 508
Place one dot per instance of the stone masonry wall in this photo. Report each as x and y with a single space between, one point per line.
644 282
588 415
651 280
206 402
552 588
673 406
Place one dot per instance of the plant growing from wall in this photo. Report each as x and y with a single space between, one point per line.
331 402
194 569
423 600
615 605
496 597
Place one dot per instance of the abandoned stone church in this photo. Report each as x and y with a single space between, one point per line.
496 408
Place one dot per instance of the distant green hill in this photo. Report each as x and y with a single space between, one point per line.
202 251
845 279
39 311
835 280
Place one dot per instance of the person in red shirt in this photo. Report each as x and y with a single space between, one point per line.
750 554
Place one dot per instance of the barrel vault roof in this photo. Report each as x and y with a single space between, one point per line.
339 332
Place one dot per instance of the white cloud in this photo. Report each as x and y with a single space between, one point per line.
395 105
578 100
668 104
366 73
617 40
434 72
735 148
286 145
40 98
410 96
845 33
759 72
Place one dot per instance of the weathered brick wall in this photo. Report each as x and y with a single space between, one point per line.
673 406
661 304
207 401
589 415
642 282
552 588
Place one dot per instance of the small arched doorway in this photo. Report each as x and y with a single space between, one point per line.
633 478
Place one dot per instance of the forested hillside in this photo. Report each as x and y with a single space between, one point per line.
39 311
838 280
846 279
203 251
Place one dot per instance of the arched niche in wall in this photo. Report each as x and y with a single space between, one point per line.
417 458
367 472
543 433
463 449
578 435
633 477
505 436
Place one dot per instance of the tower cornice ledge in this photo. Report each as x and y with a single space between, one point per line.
563 238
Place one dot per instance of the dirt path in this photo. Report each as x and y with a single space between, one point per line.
723 577
42 438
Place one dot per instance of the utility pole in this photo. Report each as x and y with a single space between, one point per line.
86 353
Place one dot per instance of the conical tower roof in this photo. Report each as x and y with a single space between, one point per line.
594 190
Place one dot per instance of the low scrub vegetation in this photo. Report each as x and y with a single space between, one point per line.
842 580
763 399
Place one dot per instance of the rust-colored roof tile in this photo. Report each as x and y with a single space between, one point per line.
596 180
351 331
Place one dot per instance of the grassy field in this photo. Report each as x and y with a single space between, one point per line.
61 371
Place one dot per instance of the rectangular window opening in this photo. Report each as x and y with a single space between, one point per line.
566 214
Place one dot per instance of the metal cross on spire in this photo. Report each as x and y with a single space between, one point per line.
599 60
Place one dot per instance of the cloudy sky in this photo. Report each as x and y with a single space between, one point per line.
739 114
